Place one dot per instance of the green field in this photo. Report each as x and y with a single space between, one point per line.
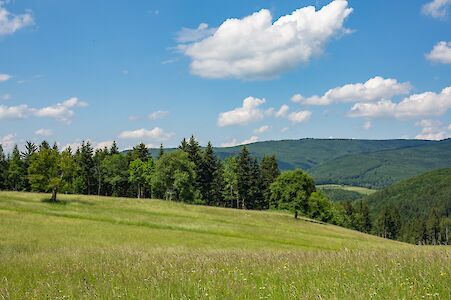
357 189
98 247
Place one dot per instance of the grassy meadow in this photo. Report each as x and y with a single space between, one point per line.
99 247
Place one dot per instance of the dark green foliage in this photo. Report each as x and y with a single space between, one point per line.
3 170
269 172
115 169
85 178
208 170
420 201
174 176
291 191
114 149
140 152
16 175
382 168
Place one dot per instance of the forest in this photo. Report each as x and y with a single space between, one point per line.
196 175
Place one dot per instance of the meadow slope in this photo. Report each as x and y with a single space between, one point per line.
99 247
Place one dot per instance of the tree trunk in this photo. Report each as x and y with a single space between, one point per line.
139 191
296 214
53 195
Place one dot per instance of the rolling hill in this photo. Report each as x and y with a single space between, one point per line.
368 163
101 247
414 199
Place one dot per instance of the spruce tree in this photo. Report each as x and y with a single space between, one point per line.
161 152
269 171
3 169
206 174
15 170
183 145
114 149
195 156
244 176
140 152
85 169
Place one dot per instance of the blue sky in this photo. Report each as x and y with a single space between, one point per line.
153 71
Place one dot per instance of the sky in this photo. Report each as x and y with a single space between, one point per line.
229 72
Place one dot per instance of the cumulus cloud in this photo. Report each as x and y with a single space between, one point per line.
155 133
299 116
188 35
158 115
436 8
8 141
441 53
262 129
374 89
432 130
256 48
416 105
249 112
234 142
283 111
62 112
10 23
44 132
4 77
14 112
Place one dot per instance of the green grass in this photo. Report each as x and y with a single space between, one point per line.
98 247
357 189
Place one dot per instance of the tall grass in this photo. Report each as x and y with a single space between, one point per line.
95 247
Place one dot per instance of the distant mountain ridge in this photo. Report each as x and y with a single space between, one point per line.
370 163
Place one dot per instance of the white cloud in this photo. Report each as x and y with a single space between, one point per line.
297 98
103 144
449 127
14 112
436 8
367 125
432 130
283 111
416 105
441 53
256 48
10 23
158 115
374 89
4 77
249 112
61 111
188 35
262 129
8 141
285 129
44 132
234 142
155 133
299 116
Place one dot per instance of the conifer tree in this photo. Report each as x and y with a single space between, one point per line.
269 171
85 183
206 174
140 152
244 176
183 145
161 152
114 149
3 169
15 170
230 175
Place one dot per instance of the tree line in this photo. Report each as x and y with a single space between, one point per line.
190 174
196 175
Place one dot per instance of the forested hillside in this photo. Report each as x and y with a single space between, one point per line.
383 168
419 208
369 163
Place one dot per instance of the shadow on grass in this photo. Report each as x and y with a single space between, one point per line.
66 202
